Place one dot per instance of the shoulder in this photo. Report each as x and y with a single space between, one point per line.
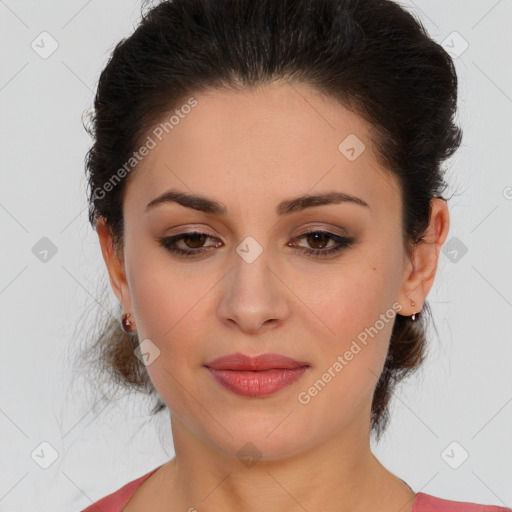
427 503
115 501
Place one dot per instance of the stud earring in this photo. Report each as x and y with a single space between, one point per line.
413 317
128 323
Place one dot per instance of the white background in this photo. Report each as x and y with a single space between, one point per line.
464 391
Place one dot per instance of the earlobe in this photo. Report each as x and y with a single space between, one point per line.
425 258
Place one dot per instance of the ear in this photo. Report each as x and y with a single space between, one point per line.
421 268
115 265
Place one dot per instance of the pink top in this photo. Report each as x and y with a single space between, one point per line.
423 502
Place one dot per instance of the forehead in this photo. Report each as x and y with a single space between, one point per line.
271 142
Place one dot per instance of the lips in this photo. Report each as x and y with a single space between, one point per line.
256 376
242 362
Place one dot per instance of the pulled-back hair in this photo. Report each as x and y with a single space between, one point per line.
372 56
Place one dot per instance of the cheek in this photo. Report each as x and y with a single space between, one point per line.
167 307
350 362
356 304
350 298
164 298
168 313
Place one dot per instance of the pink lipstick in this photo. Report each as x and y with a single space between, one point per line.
256 376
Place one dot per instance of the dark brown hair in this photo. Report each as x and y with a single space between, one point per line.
373 56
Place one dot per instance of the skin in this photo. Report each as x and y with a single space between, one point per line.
251 150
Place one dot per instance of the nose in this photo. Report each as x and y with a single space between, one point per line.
254 297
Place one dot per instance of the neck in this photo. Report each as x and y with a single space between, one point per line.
341 475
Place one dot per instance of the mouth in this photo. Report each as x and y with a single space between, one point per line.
259 363
256 376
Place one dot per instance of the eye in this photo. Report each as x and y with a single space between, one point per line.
320 239
193 243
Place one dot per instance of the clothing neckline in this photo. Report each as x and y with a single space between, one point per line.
137 483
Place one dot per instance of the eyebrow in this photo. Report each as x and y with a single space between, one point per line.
213 207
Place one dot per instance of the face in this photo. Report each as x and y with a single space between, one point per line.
318 282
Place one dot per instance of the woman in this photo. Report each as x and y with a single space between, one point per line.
266 185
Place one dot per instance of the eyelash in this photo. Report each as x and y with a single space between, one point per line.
169 243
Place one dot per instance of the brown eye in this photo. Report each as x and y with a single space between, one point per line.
197 239
317 239
188 244
192 244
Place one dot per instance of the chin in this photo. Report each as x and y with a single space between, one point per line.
253 441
